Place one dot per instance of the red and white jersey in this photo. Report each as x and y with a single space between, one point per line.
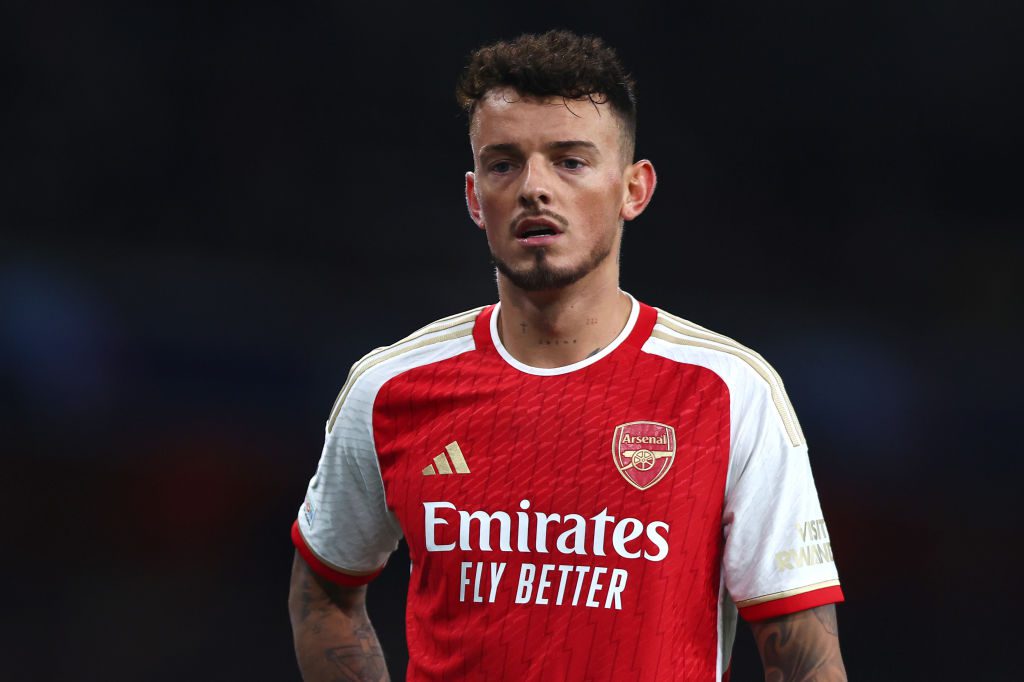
600 521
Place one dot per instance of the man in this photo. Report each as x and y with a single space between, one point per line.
590 487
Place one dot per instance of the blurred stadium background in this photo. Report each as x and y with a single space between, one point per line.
208 212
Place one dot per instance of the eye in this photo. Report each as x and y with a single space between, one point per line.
501 167
572 164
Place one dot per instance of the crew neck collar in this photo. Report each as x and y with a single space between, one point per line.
634 314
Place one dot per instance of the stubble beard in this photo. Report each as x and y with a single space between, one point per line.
542 276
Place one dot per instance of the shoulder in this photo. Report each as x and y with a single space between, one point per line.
747 374
686 341
437 341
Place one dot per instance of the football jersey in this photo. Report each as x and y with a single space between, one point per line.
605 520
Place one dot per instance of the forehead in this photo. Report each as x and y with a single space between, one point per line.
504 116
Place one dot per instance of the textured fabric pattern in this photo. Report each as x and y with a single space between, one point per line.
571 526
344 519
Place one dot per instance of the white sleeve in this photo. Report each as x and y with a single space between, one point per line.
344 529
778 557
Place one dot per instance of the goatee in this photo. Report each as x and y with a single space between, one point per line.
542 276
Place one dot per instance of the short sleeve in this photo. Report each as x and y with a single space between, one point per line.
344 530
778 555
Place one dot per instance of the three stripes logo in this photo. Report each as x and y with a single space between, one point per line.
458 460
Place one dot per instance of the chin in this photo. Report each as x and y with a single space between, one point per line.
541 276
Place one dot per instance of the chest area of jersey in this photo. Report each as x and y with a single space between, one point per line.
645 439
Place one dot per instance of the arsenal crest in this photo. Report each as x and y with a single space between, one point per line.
643 452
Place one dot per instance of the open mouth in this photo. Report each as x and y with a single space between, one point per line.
535 228
537 231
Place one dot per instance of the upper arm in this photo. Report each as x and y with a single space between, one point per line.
332 633
311 595
778 560
344 529
778 554
801 646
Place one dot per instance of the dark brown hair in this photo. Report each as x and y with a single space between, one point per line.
552 64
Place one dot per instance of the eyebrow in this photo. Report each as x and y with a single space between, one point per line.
568 144
511 147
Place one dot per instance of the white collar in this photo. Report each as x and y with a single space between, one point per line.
634 313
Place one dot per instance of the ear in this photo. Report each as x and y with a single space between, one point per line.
640 182
472 201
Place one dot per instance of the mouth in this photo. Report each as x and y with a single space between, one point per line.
537 231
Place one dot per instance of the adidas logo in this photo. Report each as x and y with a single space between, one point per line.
441 462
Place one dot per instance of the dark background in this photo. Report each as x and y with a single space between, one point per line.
209 211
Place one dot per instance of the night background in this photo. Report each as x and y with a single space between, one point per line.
208 212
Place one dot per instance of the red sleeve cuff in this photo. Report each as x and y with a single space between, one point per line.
325 571
797 602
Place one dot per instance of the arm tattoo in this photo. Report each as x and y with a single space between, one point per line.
361 662
334 639
305 597
358 661
827 618
801 647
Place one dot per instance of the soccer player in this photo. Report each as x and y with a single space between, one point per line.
591 488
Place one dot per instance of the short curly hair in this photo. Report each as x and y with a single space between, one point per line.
552 64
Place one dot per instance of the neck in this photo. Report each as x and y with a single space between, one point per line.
557 328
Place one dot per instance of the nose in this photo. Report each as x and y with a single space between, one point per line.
536 183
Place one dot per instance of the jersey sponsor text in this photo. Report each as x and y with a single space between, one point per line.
448 529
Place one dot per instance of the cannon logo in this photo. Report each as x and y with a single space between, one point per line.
644 452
